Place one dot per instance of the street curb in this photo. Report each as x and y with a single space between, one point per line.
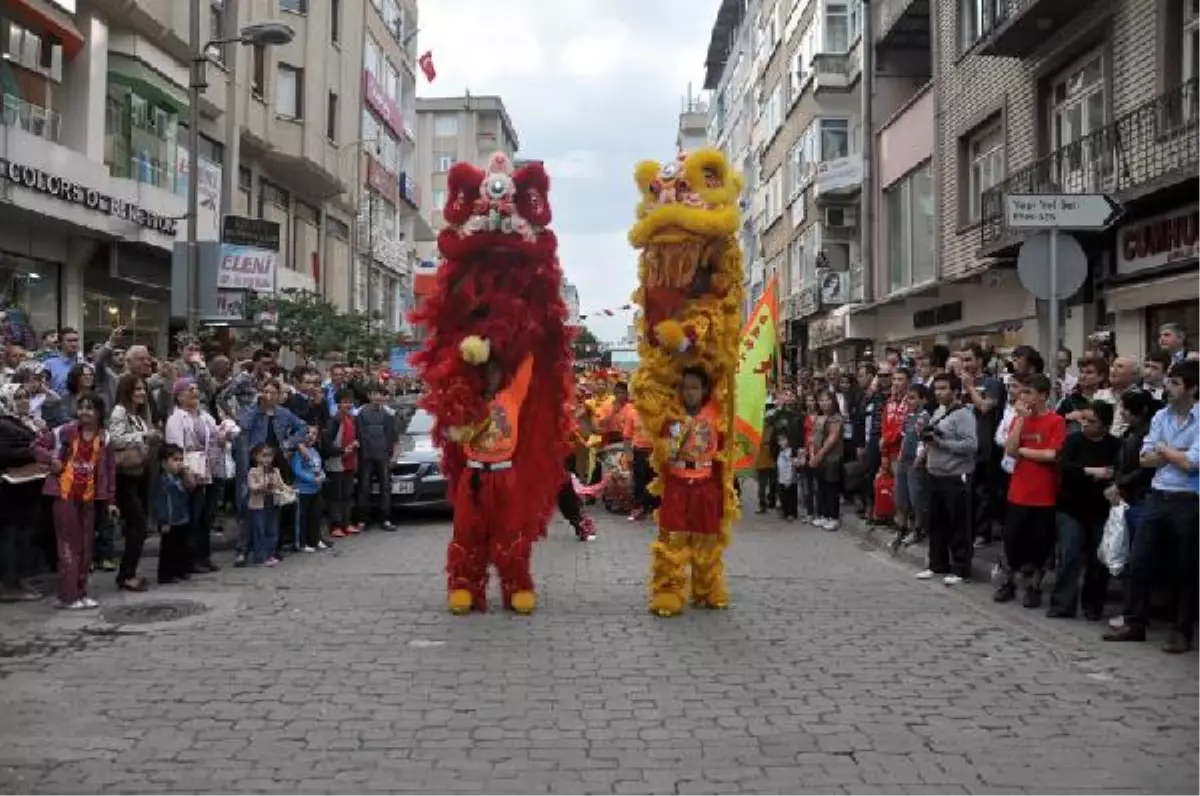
917 555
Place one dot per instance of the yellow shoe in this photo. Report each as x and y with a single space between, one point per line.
523 602
666 604
716 605
460 602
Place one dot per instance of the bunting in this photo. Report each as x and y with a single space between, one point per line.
608 313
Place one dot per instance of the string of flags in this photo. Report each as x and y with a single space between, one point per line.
605 313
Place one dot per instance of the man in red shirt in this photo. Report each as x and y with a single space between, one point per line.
1032 450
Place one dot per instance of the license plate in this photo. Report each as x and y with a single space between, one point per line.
402 487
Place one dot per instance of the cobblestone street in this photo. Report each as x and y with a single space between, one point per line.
835 671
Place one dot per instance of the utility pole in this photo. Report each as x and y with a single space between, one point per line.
196 83
867 92
231 167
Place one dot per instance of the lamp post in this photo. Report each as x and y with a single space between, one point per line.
264 34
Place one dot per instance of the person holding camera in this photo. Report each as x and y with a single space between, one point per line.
950 443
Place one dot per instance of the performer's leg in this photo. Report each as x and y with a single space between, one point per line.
512 558
706 504
668 572
466 556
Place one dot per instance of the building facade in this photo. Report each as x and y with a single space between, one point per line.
94 148
453 129
570 295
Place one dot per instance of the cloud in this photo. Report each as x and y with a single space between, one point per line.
582 164
592 86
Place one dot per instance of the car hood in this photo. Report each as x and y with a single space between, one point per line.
418 448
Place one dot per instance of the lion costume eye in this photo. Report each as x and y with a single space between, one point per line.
670 171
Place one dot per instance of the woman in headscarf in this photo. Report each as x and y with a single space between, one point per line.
24 463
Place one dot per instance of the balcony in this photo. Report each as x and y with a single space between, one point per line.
33 119
902 25
1017 28
836 71
1149 149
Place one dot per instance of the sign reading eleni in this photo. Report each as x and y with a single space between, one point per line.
70 191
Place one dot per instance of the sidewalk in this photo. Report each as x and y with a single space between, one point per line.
983 562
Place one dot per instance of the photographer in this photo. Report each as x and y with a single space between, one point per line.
950 443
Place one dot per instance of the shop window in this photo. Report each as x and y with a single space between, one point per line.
910 232
1184 313
144 319
29 298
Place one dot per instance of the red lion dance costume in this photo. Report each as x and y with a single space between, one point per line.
497 307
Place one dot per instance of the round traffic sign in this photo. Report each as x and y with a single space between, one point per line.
1033 265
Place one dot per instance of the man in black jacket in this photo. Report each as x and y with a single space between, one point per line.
873 400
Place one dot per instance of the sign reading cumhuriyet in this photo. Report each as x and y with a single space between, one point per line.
1093 211
68 190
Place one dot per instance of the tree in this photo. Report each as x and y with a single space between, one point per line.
312 326
585 345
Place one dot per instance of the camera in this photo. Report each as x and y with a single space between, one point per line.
933 432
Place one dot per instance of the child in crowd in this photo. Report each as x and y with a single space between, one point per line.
308 474
910 470
171 508
341 464
785 469
82 473
265 485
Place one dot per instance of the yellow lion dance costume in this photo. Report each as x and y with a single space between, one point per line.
691 293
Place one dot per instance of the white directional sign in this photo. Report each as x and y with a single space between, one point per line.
1060 211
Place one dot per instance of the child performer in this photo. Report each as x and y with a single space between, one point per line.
689 519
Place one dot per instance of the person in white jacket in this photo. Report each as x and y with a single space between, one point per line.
203 442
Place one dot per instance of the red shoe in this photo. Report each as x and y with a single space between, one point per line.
338 533
357 528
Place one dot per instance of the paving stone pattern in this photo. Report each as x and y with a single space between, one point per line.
834 672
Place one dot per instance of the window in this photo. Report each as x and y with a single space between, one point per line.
835 138
335 21
1191 40
1078 108
443 161
258 74
977 18
378 141
838 34
445 125
986 154
372 58
30 50
392 16
910 232
289 92
795 266
216 29
439 199
141 140
295 6
331 117
245 185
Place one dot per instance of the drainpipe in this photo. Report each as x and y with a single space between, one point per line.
867 94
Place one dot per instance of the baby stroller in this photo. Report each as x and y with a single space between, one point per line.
618 479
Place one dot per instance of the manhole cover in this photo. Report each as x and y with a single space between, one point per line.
153 613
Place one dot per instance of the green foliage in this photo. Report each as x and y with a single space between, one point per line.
585 343
312 326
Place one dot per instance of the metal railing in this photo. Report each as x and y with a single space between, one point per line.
1151 142
33 119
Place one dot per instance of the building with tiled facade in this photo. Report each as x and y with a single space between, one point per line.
977 99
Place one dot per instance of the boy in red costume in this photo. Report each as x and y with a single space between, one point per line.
693 502
497 337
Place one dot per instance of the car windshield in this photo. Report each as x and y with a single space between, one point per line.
421 422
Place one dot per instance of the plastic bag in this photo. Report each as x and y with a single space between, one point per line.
1114 545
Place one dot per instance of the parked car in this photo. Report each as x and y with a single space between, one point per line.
417 481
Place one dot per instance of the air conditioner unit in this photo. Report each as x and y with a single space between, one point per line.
835 287
841 217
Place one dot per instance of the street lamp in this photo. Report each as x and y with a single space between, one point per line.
263 34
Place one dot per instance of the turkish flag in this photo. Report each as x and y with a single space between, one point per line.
426 64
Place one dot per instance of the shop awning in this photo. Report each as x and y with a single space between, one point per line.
1139 295
149 84
45 17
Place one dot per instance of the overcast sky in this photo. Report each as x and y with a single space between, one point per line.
592 87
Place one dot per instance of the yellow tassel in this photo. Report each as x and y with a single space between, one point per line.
475 350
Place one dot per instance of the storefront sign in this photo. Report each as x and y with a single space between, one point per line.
231 304
209 190
254 233
70 191
384 106
409 191
246 268
1158 241
826 332
382 180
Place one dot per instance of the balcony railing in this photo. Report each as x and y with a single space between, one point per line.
1016 28
33 119
1153 145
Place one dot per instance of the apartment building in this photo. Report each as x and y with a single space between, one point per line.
729 79
452 129
693 124
389 224
570 295
94 150
807 56
1040 96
